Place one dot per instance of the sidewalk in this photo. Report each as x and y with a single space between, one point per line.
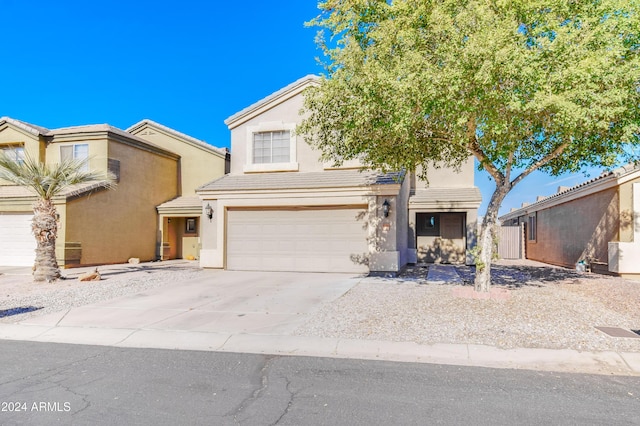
127 322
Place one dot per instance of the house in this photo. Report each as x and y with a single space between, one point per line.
281 209
597 222
199 162
96 225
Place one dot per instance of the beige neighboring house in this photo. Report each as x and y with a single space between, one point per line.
180 218
96 226
281 209
597 222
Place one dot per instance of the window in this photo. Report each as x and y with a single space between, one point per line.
271 147
78 152
14 152
191 226
532 227
428 224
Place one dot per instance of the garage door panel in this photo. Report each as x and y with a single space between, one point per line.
315 240
17 243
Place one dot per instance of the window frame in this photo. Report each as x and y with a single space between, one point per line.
532 227
266 127
74 156
190 226
18 150
427 231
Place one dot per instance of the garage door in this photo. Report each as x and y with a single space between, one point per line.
307 240
17 243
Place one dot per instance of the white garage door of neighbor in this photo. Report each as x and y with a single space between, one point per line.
314 240
17 243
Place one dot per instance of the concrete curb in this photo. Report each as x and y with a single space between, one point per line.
559 360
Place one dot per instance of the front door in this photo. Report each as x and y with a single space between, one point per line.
440 237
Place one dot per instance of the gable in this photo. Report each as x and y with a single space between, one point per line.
279 97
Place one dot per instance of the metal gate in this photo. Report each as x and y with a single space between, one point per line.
511 242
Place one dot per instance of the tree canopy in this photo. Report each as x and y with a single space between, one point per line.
521 85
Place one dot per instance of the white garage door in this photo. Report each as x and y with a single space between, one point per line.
314 240
17 243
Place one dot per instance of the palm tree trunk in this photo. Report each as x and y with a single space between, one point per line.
45 229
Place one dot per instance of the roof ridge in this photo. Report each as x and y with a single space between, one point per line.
288 88
196 141
606 174
31 128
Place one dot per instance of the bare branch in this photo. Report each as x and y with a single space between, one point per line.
535 166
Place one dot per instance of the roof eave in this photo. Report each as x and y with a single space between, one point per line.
273 99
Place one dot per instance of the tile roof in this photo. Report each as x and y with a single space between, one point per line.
298 180
178 134
564 192
181 203
35 130
91 128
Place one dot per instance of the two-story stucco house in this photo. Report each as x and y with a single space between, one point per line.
281 209
96 225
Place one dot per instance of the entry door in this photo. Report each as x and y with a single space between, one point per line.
440 237
453 241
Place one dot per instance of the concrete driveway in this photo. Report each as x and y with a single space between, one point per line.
226 302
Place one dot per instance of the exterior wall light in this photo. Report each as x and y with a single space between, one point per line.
208 210
386 207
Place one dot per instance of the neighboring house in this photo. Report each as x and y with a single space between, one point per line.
282 209
597 222
179 218
96 225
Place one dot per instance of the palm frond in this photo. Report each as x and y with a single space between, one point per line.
49 180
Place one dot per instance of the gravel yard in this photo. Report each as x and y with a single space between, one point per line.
19 294
546 307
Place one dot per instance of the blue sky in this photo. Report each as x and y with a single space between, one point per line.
188 65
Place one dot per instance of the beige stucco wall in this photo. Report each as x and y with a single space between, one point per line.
285 113
447 176
198 165
98 149
576 229
15 137
115 225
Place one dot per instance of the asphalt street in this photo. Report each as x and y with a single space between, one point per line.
51 383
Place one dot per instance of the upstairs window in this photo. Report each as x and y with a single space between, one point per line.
16 153
271 147
78 152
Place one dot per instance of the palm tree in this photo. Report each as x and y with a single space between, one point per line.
46 181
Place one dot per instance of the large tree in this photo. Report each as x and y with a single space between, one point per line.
522 85
46 181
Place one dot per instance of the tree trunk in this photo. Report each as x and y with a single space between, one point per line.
45 229
487 238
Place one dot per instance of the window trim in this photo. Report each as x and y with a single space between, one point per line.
190 225
272 126
15 149
532 227
85 167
